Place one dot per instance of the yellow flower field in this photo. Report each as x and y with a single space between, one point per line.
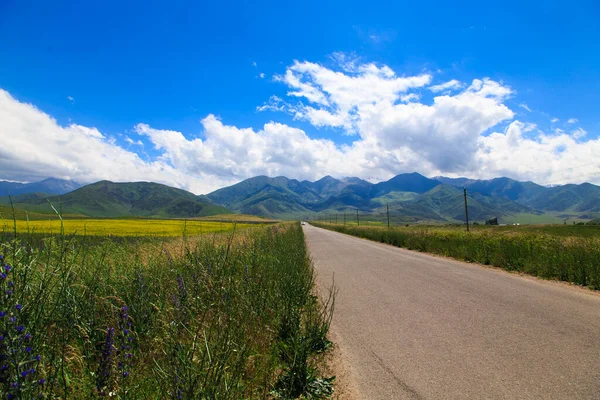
123 227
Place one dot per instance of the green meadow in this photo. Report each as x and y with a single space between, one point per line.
225 315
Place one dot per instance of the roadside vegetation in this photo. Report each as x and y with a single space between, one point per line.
218 316
560 252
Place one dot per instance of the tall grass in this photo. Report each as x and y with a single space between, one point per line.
570 259
219 317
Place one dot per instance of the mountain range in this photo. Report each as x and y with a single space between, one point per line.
48 186
412 196
131 199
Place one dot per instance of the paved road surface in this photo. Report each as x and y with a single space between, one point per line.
414 326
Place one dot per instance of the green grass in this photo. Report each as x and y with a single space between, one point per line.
32 213
228 316
243 218
561 252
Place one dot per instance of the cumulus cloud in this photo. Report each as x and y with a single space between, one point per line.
457 132
71 99
35 147
133 142
332 97
370 101
410 97
547 158
453 84
453 134
572 121
579 133
554 120
228 153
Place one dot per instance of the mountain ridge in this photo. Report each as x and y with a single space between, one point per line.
411 195
124 199
50 185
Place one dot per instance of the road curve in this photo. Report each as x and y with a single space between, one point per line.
415 326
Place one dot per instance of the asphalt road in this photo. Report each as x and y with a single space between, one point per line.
415 326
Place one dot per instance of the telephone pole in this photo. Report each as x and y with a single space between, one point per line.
336 218
388 215
466 210
357 220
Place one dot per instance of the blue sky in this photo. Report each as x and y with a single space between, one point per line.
169 65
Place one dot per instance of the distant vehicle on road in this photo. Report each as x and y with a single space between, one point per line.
303 223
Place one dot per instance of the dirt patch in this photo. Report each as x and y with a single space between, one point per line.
336 364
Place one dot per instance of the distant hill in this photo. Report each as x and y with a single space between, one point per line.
49 186
415 183
561 198
134 199
412 195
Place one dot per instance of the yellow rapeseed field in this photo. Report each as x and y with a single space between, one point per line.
123 227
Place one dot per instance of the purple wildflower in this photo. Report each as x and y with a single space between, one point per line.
106 362
125 343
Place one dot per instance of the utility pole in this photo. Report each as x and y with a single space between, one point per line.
466 210
357 220
336 218
388 215
344 219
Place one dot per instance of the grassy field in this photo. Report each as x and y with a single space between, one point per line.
562 252
31 213
561 230
123 227
220 316
238 218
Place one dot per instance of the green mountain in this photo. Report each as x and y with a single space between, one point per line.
266 196
562 198
414 183
134 199
411 195
578 198
50 186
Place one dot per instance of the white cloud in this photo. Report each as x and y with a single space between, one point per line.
544 159
525 106
261 75
335 96
407 98
35 146
133 142
71 99
554 120
450 85
442 135
572 121
254 63
450 135
579 133
229 154
395 131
